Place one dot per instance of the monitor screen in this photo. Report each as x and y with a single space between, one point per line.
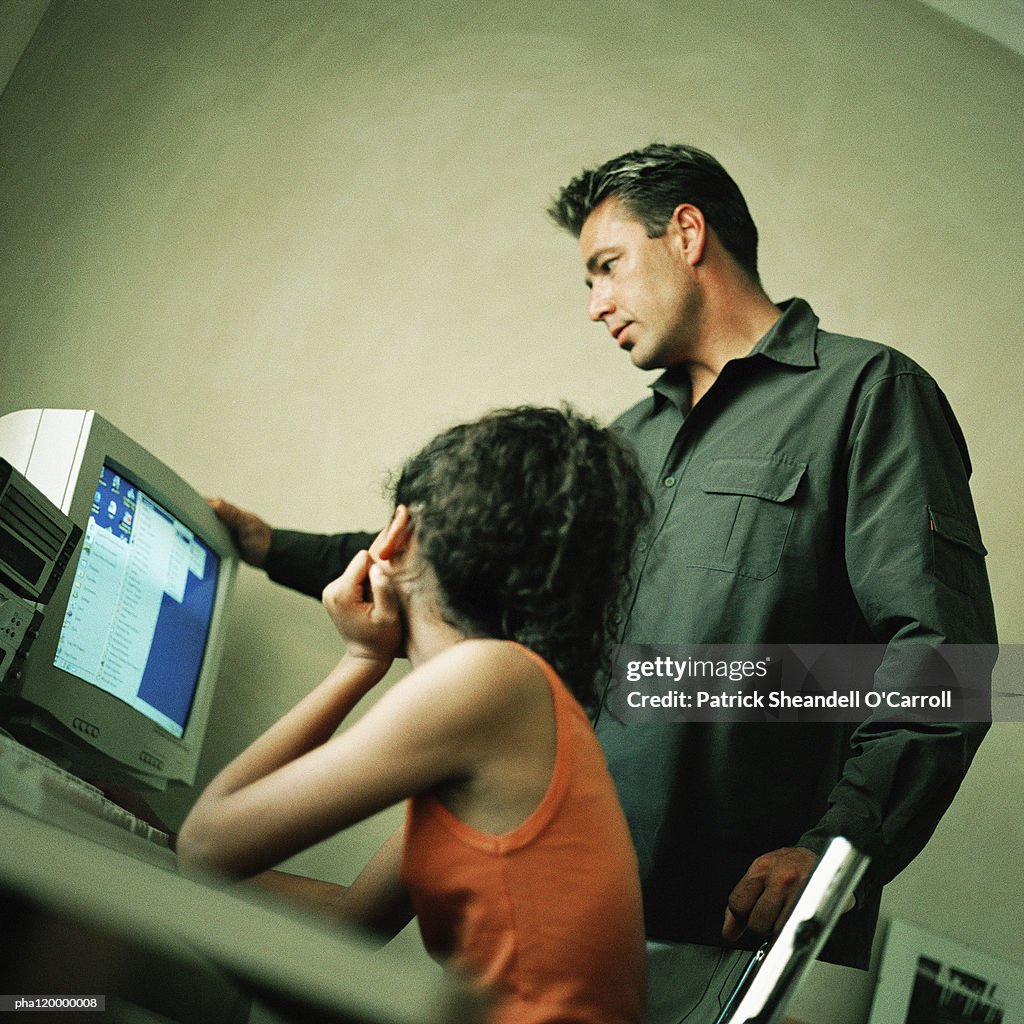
142 599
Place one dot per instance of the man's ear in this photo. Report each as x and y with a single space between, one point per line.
692 231
395 537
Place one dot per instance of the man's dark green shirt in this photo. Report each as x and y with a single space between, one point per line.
817 493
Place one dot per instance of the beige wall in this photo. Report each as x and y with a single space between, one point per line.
283 243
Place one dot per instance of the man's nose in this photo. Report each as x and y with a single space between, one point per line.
600 303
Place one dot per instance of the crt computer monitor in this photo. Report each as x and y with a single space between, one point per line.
119 681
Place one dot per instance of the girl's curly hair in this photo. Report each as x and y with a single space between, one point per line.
527 518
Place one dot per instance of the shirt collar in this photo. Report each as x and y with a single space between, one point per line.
673 386
791 340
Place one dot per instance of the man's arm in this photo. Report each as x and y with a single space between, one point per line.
306 562
916 566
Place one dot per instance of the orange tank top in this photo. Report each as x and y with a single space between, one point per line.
549 915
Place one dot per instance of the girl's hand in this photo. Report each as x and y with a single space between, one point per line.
363 605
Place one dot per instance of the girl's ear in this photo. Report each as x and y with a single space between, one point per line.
395 537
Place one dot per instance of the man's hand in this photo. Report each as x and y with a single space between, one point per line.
250 533
765 895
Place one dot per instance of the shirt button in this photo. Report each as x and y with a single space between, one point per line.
642 546
669 481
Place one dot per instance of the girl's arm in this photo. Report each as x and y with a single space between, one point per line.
296 785
285 794
376 901
214 834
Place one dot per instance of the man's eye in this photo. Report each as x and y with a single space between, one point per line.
607 266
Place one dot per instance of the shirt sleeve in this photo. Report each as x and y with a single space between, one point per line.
307 562
916 565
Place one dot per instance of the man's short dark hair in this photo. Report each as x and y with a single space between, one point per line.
651 182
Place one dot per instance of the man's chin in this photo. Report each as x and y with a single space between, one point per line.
643 361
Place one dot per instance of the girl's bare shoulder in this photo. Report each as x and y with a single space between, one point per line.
478 671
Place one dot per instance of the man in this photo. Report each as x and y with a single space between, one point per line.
809 488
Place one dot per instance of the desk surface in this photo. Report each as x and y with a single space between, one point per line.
253 939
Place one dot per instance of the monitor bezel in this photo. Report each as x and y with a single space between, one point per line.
80 716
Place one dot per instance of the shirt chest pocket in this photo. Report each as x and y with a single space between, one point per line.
748 506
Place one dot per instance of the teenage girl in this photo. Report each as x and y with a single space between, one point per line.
498 577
